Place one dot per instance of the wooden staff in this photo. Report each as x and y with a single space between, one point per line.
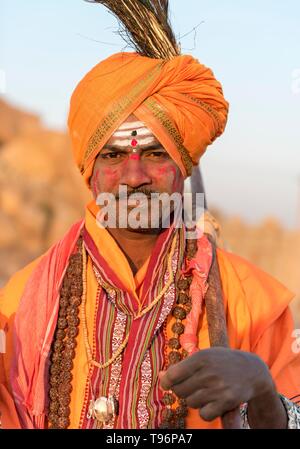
217 327
214 303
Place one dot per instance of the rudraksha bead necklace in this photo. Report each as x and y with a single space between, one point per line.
64 343
72 292
176 409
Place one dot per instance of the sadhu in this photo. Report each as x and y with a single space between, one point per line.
144 327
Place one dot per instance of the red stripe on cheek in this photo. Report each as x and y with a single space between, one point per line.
110 172
177 181
170 176
96 182
163 171
167 172
105 178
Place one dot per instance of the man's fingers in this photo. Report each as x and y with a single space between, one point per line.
161 374
200 398
165 381
210 411
183 370
190 385
204 399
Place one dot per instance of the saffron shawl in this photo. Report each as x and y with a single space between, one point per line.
34 327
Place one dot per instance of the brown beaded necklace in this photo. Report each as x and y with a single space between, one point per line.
176 409
64 343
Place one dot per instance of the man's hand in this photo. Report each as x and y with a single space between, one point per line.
218 380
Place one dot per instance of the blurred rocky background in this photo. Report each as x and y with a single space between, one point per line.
41 190
42 194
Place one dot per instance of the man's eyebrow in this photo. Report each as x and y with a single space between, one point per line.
153 146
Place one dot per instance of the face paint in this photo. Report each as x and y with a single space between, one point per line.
177 180
111 173
132 133
135 157
160 174
95 182
134 142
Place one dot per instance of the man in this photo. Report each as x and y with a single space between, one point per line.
104 330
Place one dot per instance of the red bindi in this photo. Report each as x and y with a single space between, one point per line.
135 157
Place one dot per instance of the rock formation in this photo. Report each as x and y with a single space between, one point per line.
41 191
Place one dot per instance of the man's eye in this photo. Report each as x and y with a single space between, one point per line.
156 154
112 155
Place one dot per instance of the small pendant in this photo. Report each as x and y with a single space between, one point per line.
103 409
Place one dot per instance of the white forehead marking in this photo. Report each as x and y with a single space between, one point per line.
123 135
141 132
127 142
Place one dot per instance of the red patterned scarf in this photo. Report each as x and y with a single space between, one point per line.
133 378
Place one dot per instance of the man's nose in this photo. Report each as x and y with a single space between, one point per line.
134 173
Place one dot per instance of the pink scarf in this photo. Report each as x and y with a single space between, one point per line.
199 267
34 328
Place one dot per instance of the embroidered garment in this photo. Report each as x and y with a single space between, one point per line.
256 306
292 410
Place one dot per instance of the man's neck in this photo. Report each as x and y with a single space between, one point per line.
137 246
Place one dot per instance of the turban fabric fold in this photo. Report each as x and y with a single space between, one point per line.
179 100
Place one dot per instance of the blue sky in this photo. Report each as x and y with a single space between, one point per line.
253 49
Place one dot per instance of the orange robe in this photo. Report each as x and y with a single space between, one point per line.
256 305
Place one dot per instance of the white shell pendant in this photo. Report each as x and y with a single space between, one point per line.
103 409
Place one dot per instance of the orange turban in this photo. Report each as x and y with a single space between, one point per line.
179 100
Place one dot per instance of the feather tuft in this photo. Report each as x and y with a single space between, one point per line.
145 25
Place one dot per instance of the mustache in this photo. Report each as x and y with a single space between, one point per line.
129 193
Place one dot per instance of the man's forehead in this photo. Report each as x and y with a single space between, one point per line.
132 130
149 146
132 125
